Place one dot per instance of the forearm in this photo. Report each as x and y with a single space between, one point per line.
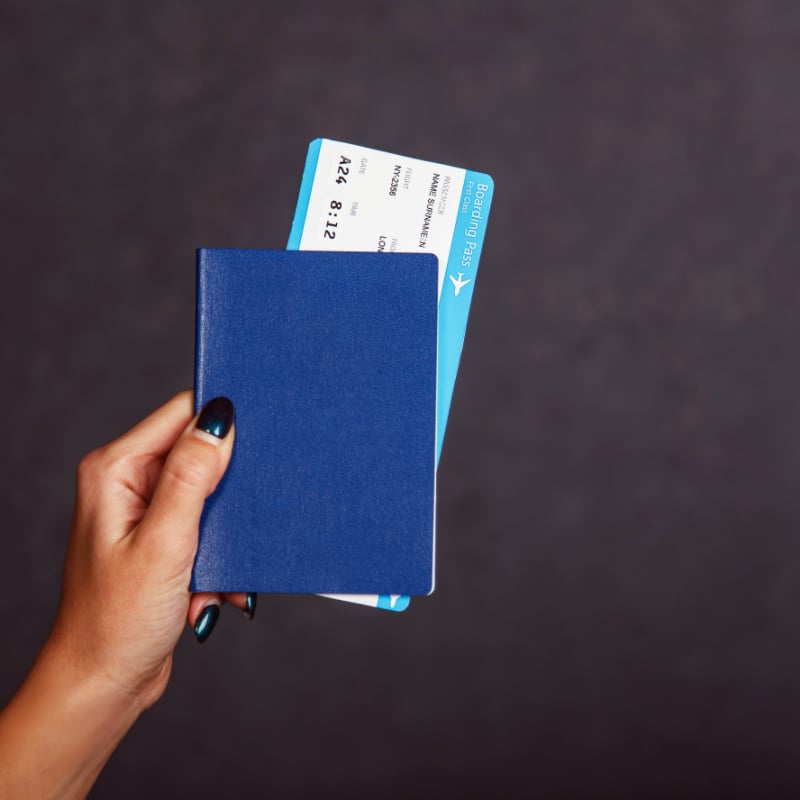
60 729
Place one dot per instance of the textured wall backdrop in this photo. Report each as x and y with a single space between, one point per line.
619 571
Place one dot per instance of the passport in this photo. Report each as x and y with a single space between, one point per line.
330 361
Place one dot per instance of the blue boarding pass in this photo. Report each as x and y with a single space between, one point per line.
357 199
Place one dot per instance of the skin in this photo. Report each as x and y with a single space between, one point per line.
124 603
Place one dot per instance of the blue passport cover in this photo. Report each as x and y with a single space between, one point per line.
330 362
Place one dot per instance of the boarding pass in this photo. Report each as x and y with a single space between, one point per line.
357 199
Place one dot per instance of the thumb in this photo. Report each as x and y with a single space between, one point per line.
190 474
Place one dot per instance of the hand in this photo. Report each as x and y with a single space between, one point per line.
124 602
134 535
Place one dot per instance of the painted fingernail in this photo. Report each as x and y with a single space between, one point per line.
216 417
250 603
206 622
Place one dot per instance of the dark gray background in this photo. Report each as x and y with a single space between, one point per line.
618 602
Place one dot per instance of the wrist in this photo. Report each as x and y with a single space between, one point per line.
65 673
105 668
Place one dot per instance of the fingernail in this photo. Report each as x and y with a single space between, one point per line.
216 417
206 622
250 603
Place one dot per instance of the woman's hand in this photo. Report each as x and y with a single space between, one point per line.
134 535
124 602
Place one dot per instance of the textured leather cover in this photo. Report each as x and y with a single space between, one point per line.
330 361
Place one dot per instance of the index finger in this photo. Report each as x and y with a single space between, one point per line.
156 434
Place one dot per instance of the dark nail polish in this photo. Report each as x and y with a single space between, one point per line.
206 622
216 417
250 603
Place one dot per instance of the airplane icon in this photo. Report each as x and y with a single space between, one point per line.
458 283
